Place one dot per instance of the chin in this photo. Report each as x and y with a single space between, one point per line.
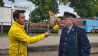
22 23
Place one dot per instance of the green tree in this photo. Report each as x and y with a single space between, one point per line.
84 8
1 3
40 13
97 8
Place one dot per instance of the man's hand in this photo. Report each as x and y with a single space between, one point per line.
47 34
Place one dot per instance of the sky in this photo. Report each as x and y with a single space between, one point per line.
62 8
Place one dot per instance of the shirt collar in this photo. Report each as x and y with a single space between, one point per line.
70 27
16 23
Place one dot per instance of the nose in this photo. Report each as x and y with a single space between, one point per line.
24 20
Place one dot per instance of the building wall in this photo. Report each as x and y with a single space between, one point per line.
5 15
19 1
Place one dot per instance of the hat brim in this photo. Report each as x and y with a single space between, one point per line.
68 15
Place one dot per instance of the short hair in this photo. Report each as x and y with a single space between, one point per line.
16 13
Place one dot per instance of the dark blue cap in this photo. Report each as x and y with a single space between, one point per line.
68 15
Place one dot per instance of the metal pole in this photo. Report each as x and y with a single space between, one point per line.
1 28
27 28
30 23
11 16
48 27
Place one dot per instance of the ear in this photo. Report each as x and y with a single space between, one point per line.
16 19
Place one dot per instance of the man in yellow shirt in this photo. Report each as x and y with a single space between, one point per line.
17 36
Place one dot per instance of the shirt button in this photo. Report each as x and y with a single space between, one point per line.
65 38
64 49
63 54
65 43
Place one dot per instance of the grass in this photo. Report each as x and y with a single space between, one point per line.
91 34
0 35
34 34
3 35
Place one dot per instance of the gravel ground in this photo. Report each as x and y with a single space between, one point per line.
51 40
49 53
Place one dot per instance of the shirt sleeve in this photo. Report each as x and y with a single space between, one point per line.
85 44
22 36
